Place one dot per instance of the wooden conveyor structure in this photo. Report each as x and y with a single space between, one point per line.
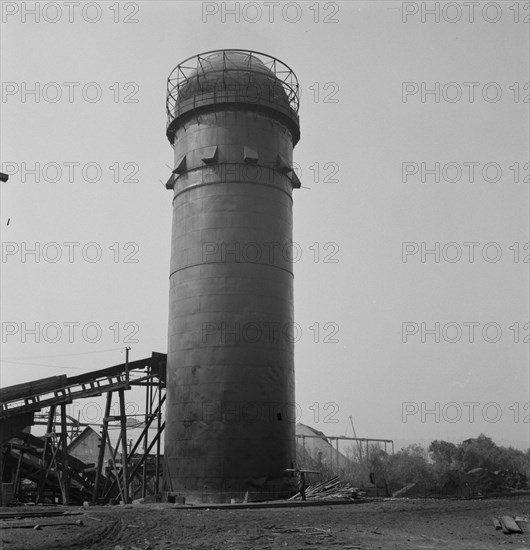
45 460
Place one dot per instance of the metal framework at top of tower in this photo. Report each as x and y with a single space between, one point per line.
190 69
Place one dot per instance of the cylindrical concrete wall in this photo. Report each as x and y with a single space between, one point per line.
230 417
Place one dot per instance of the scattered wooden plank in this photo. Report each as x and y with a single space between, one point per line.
26 525
496 523
510 524
505 529
521 519
39 514
305 530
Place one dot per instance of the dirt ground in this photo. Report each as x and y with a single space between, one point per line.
377 524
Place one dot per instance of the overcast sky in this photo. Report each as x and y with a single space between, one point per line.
385 87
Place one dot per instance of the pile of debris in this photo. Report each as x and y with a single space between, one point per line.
509 525
331 489
485 482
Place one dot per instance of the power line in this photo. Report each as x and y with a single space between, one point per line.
41 365
62 355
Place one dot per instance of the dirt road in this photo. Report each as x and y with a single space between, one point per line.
391 524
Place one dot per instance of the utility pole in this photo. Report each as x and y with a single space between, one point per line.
359 444
127 349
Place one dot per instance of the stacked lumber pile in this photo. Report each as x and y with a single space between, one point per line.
333 488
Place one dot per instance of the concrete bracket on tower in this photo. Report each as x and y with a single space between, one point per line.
180 165
283 165
250 155
170 183
295 181
209 155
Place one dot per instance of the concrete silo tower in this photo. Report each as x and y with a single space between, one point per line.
230 420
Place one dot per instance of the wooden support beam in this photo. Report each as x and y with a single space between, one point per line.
2 478
60 479
158 421
44 468
148 423
151 445
116 447
156 439
116 474
65 485
17 475
147 411
102 443
123 421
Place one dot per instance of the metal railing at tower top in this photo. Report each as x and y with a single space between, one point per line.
232 71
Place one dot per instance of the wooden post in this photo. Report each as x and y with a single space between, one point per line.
144 471
102 443
123 420
2 503
65 486
17 475
158 421
117 477
44 467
